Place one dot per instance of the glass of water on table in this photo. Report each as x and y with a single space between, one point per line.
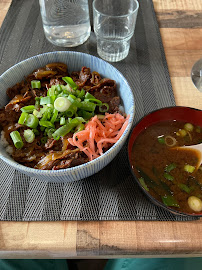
114 25
66 23
196 74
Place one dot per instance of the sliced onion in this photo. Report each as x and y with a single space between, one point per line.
170 141
190 136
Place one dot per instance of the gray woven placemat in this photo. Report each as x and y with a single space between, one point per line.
111 194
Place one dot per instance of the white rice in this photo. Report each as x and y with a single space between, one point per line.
9 149
121 108
3 141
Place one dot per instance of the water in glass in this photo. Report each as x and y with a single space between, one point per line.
114 25
66 23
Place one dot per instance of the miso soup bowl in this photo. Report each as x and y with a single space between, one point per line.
75 61
179 113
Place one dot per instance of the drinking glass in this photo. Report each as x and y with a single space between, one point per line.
114 25
66 23
196 74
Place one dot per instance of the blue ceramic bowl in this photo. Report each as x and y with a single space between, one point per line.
74 61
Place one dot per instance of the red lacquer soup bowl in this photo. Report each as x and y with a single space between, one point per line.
178 113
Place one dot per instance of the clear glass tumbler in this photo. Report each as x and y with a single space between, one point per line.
114 25
196 74
66 23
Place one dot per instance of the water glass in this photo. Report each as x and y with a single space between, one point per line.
66 23
196 74
114 25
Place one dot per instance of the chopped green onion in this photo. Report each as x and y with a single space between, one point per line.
74 101
142 182
58 88
54 117
77 92
63 95
165 187
36 132
41 112
94 100
89 96
80 127
69 113
38 114
70 82
184 188
37 98
45 100
23 118
150 183
161 139
16 138
28 109
170 167
62 121
87 106
46 124
62 131
182 132
168 176
188 127
188 168
62 104
37 102
77 120
35 84
169 200
50 132
51 91
32 121
66 89
47 114
44 140
50 106
104 107
81 94
85 115
29 135
83 105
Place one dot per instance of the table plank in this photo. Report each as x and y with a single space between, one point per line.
177 5
38 239
4 6
182 39
150 238
186 95
179 19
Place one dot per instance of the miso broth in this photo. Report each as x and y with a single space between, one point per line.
168 174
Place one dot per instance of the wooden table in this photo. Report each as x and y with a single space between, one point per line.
180 24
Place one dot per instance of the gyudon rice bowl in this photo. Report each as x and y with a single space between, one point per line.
60 118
